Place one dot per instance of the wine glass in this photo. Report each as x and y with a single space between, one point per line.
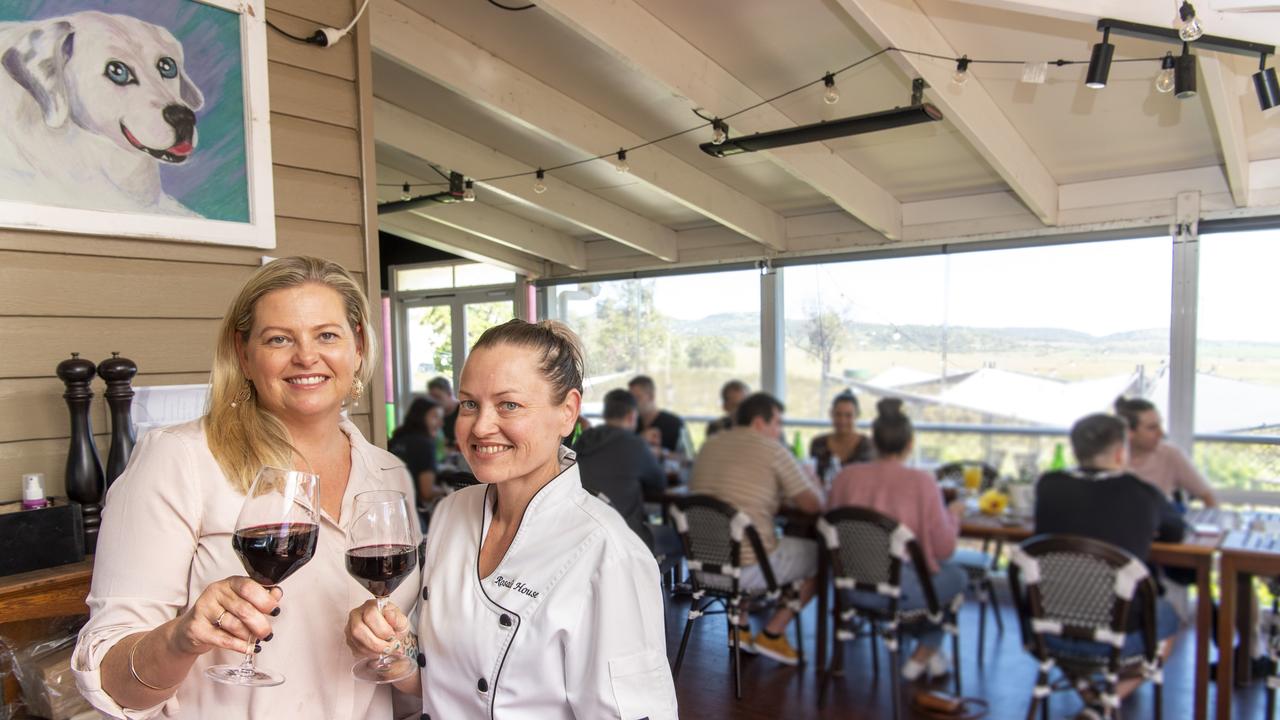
275 535
382 550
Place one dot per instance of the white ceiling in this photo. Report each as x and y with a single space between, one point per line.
1076 135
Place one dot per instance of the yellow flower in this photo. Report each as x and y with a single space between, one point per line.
993 502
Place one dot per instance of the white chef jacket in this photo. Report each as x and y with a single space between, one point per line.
570 625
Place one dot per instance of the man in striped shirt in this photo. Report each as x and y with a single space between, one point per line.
749 468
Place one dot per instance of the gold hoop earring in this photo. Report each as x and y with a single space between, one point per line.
357 388
244 395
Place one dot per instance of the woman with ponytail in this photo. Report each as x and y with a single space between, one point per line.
169 597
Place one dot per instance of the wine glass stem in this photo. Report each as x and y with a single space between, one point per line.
249 665
384 659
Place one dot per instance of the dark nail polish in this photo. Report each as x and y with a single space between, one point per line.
257 648
275 612
268 637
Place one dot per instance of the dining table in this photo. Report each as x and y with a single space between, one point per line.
1251 549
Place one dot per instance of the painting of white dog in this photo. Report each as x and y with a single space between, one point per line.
123 106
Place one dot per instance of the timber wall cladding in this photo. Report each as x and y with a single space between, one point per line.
158 303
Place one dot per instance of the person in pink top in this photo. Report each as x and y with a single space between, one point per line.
911 497
1156 461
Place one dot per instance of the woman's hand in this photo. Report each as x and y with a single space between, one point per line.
371 633
230 614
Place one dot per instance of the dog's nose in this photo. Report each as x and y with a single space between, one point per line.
182 119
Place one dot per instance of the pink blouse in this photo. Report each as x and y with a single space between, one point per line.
166 535
905 494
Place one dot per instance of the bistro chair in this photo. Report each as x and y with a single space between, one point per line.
1073 596
868 551
1273 648
979 566
713 532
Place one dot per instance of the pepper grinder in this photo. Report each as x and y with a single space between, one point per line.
84 469
119 372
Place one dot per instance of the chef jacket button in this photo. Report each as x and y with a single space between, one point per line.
505 620
425 592
482 685
425 717
422 660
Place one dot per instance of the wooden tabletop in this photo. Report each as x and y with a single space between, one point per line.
45 593
1016 529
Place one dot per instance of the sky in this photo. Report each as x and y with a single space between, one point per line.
1097 288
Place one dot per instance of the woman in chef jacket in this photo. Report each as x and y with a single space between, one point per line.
537 600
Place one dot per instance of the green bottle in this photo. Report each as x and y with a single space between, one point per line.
1059 461
798 447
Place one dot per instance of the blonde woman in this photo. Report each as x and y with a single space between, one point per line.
169 597
537 600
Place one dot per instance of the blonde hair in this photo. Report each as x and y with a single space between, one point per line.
562 358
246 437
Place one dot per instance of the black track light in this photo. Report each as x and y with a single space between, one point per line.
1100 62
1265 83
827 130
1184 74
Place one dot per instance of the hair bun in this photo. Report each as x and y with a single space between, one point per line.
889 407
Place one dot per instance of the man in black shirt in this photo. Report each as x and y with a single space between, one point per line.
614 462
650 418
1101 500
732 394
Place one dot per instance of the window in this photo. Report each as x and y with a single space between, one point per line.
1032 338
1237 361
439 277
691 333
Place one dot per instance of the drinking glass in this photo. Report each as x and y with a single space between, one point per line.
382 550
275 535
972 478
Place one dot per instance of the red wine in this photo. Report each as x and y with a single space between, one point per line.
271 553
381 568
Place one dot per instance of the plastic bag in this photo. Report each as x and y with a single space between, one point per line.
43 670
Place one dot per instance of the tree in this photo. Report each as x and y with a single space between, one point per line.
823 333
629 332
709 351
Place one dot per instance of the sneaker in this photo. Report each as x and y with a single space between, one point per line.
777 648
745 645
938 665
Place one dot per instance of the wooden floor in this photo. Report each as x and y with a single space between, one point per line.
770 690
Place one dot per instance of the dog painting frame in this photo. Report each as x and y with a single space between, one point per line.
144 124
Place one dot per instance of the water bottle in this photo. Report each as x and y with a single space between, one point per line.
1059 461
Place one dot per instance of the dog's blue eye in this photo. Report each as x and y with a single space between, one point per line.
167 67
119 73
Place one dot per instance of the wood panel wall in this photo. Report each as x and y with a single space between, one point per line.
160 303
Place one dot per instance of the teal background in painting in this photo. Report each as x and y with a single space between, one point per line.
214 181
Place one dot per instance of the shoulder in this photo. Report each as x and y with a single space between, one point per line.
668 418
819 441
618 542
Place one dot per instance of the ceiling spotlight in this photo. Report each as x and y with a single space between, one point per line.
831 96
405 192
1190 30
1164 79
469 194
1265 83
539 182
1184 74
961 75
719 132
623 166
917 112
1100 62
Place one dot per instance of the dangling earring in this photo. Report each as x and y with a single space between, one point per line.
357 388
242 397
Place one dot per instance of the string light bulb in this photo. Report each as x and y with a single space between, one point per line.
622 166
1191 29
469 193
719 132
406 193
961 75
832 95
1164 79
539 182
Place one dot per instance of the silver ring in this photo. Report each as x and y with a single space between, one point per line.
218 623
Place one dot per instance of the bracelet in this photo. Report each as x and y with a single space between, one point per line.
134 671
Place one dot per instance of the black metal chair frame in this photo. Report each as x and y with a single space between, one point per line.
735 601
891 620
980 578
1036 623
1273 649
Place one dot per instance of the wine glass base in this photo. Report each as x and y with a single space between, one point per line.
236 675
394 669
